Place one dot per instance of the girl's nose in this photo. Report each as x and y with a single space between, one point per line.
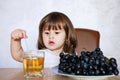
51 36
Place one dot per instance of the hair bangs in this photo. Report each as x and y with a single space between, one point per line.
53 26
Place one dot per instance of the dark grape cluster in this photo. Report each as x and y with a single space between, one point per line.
88 63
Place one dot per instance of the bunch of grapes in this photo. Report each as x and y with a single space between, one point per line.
88 63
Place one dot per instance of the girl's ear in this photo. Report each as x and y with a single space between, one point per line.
66 41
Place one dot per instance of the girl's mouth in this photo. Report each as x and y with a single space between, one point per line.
51 43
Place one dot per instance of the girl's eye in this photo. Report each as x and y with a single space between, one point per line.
46 32
57 32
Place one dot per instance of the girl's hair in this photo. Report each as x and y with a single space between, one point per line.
57 20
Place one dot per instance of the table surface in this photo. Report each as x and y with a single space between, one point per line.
17 74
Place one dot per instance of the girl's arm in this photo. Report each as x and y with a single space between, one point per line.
15 46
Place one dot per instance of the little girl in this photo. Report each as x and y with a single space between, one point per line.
56 35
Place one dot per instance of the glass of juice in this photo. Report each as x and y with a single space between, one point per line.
33 63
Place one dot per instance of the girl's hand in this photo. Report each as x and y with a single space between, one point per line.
18 34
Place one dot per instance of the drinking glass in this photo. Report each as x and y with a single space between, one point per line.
33 63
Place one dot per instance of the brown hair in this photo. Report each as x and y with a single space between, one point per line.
57 20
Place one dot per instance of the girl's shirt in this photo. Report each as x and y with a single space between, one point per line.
51 59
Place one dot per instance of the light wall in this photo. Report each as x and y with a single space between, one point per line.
101 15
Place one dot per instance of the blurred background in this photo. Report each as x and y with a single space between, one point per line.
101 15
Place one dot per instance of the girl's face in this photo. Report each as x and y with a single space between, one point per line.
54 39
